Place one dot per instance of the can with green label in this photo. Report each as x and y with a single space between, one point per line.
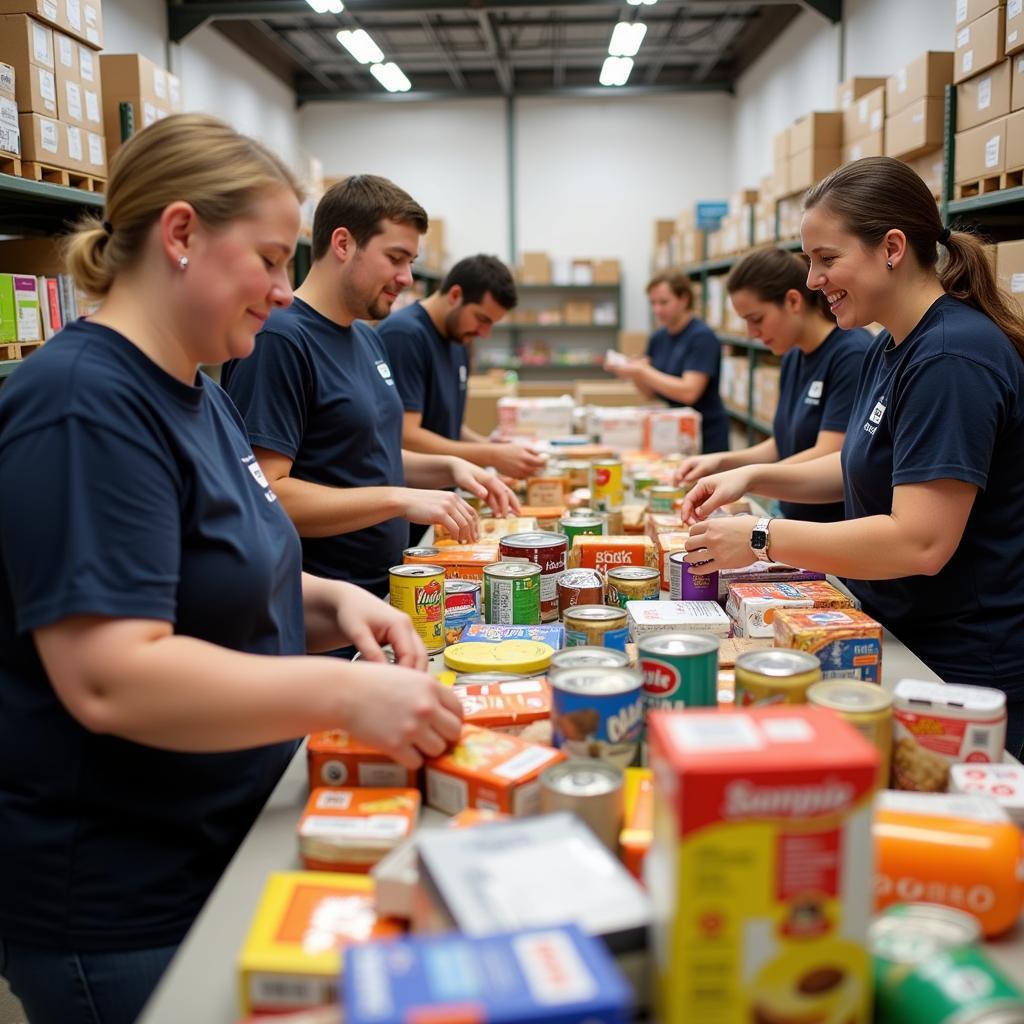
680 671
512 594
577 526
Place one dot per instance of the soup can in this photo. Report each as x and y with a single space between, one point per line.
867 707
418 590
461 607
596 625
680 670
588 657
684 585
579 586
548 550
512 594
578 526
664 498
633 583
775 676
590 789
598 712
606 486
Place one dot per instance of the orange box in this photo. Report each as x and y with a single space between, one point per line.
459 561
848 642
509 705
335 759
603 553
666 544
547 490
489 770
638 820
547 516
473 816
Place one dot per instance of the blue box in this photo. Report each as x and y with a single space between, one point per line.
709 214
552 634
557 975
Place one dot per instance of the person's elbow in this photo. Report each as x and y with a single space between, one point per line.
932 555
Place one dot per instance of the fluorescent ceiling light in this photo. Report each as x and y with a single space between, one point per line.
391 77
615 70
326 6
626 38
361 46
645 3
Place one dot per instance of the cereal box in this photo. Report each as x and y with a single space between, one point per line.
291 958
335 759
673 431
646 617
752 606
665 545
604 553
550 633
459 561
761 861
507 705
638 820
488 769
847 642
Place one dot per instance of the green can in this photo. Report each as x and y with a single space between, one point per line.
680 670
663 498
577 526
633 583
642 482
512 594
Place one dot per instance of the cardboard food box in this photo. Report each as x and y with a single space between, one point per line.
19 309
982 98
980 44
507 705
847 642
753 606
1015 141
536 417
130 78
666 544
811 165
28 49
604 553
1010 268
866 116
335 759
866 145
82 19
761 865
459 561
764 572
917 129
1017 83
981 152
489 529
927 75
547 490
648 617
1014 27
853 89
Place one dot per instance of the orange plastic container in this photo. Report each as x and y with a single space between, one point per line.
955 849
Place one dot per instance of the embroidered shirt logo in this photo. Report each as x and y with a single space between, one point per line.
250 463
385 371
814 392
876 417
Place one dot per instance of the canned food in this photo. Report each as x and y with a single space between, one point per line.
461 607
596 625
512 593
590 789
867 707
633 583
663 498
907 934
577 526
420 553
643 482
418 590
579 586
588 657
680 670
606 488
775 677
685 585
548 550
598 712
578 472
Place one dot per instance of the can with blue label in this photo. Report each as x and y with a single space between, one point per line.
596 625
598 712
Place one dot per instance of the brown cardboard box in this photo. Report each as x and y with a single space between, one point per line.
1017 82
1014 27
980 44
1015 141
134 79
92 93
929 168
482 397
780 147
578 311
606 272
82 19
95 154
1010 268
633 343
535 267
74 146
970 10
36 89
984 97
916 130
92 24
70 100
663 231
927 75
853 89
7 87
607 392
865 116
819 130
43 140
10 132
28 48
811 165
981 152
866 145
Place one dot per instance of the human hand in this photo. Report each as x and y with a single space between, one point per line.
720 543
368 623
486 486
694 467
457 516
713 492
516 461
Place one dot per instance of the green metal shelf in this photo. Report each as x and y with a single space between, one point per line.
9 366
991 201
38 207
750 421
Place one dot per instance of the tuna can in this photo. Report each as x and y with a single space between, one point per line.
633 583
775 677
588 657
461 607
596 625
548 550
418 590
512 594
867 707
411 553
590 789
579 586
684 585
598 712
663 498
577 526
680 670
606 487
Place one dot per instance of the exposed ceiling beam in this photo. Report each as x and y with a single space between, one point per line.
725 37
443 50
502 70
577 90
296 54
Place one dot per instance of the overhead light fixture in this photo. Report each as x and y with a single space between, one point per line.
361 46
616 70
626 38
391 76
643 3
329 6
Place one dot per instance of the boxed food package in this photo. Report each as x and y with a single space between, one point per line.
82 19
847 642
606 552
506 705
459 561
981 98
647 617
980 44
1014 27
981 152
145 89
673 432
764 572
1003 783
550 633
335 759
927 75
19 309
490 530
535 417
621 428
547 516
666 544
917 129
753 606
638 820
548 490
866 116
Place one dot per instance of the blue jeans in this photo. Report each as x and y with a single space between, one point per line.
82 988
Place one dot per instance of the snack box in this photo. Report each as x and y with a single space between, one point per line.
490 770
764 572
351 829
752 606
291 957
667 544
552 634
1004 783
550 974
673 431
548 516
335 759
507 705
647 617
604 553
491 529
761 865
459 561
638 820
846 641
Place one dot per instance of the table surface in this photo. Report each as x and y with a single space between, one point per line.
201 983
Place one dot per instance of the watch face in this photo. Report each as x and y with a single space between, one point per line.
759 540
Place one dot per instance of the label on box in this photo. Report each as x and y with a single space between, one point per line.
1012 37
1014 8
91 18
159 83
1020 65
967 63
74 95
41 45
95 150
175 91
48 87
863 111
49 137
87 64
65 51
50 9
6 78
9 113
901 80
963 38
10 139
148 114
75 150
985 92
876 120
1017 283
74 12
92 107
992 152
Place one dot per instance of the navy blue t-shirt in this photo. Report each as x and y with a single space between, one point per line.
324 396
128 494
695 348
430 371
816 393
946 405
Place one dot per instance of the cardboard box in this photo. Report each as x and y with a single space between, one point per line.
82 19
133 79
1017 83
970 10
854 88
1010 267
578 311
915 130
929 168
811 165
981 152
606 272
984 97
980 44
335 759
1014 27
43 140
10 133
867 145
535 267
780 147
818 130
19 309
927 75
28 49
847 641
1015 141
865 117
633 343
95 154
7 82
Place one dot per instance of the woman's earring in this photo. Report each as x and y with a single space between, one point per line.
183 263
888 263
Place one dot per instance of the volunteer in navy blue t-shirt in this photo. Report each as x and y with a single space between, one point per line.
154 619
820 372
683 363
931 467
428 344
324 415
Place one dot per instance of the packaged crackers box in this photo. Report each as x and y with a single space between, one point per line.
761 863
351 829
507 705
490 770
673 432
764 572
847 642
459 561
638 820
604 553
291 957
647 617
666 544
535 417
335 759
752 606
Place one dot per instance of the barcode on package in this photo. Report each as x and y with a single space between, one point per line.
288 991
446 793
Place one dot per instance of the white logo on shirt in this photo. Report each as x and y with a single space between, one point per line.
814 392
462 378
250 463
385 371
876 417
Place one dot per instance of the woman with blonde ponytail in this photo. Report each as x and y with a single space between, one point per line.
931 468
155 620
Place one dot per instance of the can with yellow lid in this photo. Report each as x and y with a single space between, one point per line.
516 657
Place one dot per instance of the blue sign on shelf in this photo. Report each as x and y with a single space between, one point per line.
710 214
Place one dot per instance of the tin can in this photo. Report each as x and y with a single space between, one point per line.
512 593
418 590
548 550
643 482
598 712
663 498
461 607
633 583
680 670
596 625
577 526
606 487
578 472
579 586
590 789
420 553
684 585
588 657
775 677
867 707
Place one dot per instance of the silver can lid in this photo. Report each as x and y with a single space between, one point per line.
416 570
512 570
421 552
588 657
910 933
849 695
634 572
596 679
678 644
596 613
778 663
461 586
583 777
534 539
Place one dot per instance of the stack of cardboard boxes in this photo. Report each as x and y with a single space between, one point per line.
136 94
861 101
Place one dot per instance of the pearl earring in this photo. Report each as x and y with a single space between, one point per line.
183 263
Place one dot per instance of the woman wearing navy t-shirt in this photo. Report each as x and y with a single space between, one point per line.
931 469
821 365
154 619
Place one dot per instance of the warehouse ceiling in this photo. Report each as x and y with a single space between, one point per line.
497 47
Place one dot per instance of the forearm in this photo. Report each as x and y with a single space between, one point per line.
753 456
664 384
469 434
426 442
815 482
321 511
427 471
320 600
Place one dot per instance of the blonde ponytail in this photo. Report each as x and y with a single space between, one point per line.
84 253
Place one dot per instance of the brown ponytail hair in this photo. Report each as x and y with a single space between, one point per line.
771 273
877 194
188 157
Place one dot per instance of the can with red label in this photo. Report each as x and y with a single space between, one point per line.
680 670
548 550
579 586
606 487
418 590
